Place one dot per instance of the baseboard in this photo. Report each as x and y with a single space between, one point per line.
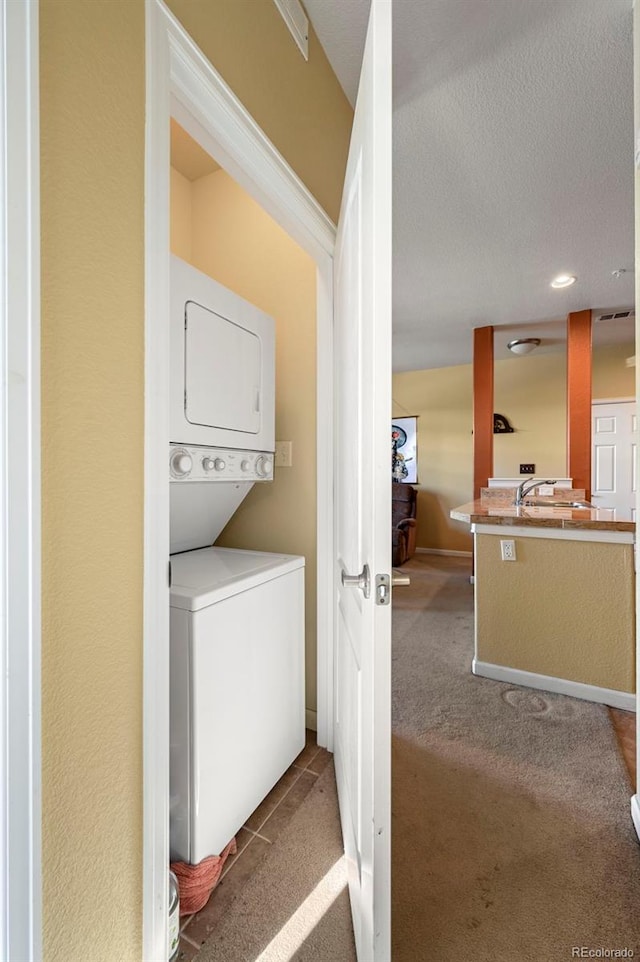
635 813
453 554
311 719
560 686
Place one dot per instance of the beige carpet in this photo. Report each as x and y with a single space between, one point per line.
296 907
512 838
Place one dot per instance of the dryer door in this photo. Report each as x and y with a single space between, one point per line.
223 367
222 383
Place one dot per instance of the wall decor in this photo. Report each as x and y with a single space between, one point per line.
501 425
404 450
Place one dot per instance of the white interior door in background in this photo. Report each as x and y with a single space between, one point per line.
614 432
362 274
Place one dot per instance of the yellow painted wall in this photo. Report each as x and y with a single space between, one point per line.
610 375
181 229
234 241
299 105
92 110
563 608
92 59
442 400
531 392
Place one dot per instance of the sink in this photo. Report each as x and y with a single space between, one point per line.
541 503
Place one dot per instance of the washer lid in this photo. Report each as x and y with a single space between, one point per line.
201 578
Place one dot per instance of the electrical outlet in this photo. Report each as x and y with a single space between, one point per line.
284 453
527 469
508 550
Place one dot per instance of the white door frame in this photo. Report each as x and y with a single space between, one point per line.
181 82
612 400
20 807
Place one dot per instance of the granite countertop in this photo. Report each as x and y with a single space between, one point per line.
602 519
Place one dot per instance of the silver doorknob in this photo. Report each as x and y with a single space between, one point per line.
399 580
362 581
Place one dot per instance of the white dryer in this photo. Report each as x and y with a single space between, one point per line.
222 404
222 386
237 689
237 617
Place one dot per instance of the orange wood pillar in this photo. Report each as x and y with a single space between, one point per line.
579 399
482 408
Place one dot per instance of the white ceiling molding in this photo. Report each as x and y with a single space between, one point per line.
293 14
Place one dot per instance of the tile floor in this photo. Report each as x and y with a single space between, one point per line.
272 815
624 725
254 841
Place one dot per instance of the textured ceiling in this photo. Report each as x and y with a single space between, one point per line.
513 162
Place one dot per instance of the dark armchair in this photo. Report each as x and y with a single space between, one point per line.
403 522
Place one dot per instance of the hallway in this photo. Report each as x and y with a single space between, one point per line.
512 837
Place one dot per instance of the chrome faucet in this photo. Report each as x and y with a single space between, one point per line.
526 486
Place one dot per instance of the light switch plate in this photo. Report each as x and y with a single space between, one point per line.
546 490
284 454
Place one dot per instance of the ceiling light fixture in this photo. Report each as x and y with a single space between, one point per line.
524 345
563 280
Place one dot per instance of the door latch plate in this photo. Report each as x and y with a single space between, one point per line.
383 590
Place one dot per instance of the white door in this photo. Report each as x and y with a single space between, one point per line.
362 739
613 472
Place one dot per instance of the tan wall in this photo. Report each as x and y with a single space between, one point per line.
92 430
611 376
234 241
564 609
181 228
92 126
531 393
442 400
299 105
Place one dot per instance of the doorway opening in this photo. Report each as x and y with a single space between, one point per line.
182 86
222 232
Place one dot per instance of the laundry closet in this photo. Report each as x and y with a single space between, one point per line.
240 285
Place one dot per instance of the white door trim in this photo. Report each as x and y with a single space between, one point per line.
612 400
20 554
181 82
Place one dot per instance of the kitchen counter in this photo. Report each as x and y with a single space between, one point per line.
557 612
549 516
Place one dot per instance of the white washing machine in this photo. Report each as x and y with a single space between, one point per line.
237 617
237 689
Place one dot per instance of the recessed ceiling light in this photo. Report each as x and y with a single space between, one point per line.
563 280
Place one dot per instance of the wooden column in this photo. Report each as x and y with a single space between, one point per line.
579 399
482 408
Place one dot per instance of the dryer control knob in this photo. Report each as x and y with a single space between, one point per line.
208 464
263 467
245 466
219 464
181 464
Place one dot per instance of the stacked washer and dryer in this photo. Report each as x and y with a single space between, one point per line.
237 617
